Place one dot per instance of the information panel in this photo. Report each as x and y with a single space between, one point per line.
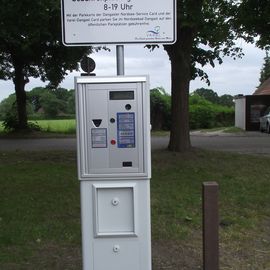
99 137
86 22
126 130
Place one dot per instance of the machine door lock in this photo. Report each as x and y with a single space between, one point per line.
116 248
115 201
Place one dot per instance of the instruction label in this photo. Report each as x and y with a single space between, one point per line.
126 130
87 22
99 137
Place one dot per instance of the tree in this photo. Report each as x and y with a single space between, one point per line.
208 94
71 102
51 104
212 96
254 21
265 71
8 112
30 46
6 105
205 33
34 97
160 109
226 100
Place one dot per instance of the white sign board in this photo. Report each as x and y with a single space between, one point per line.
86 22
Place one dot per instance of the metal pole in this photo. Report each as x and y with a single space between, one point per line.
210 226
120 60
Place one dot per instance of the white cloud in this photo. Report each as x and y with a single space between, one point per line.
240 76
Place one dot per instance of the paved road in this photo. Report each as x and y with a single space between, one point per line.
245 145
248 143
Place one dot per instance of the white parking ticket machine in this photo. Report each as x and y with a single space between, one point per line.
113 141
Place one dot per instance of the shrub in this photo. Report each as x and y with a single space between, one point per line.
160 107
10 121
8 112
201 116
204 114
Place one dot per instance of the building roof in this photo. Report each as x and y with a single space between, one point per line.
264 89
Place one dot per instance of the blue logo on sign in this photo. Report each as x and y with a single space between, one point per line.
154 32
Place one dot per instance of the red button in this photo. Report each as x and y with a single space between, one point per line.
113 142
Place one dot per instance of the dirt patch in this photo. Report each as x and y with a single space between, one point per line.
174 255
252 253
49 256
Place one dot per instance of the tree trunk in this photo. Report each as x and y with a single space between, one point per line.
180 57
19 82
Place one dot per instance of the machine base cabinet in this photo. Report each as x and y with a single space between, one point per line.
116 225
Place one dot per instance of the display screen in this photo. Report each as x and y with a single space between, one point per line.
121 95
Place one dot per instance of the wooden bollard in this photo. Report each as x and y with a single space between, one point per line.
210 226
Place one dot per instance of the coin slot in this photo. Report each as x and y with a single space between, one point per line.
97 122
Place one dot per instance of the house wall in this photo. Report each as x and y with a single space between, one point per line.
240 113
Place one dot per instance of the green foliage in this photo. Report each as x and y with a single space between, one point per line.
201 113
226 100
34 97
254 21
71 102
42 103
212 24
35 41
208 94
31 46
10 121
204 114
51 104
6 105
265 71
8 113
212 96
160 109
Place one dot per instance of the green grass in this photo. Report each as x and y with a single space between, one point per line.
244 184
64 126
224 129
40 208
67 126
233 130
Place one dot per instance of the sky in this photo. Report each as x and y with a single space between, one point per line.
233 77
